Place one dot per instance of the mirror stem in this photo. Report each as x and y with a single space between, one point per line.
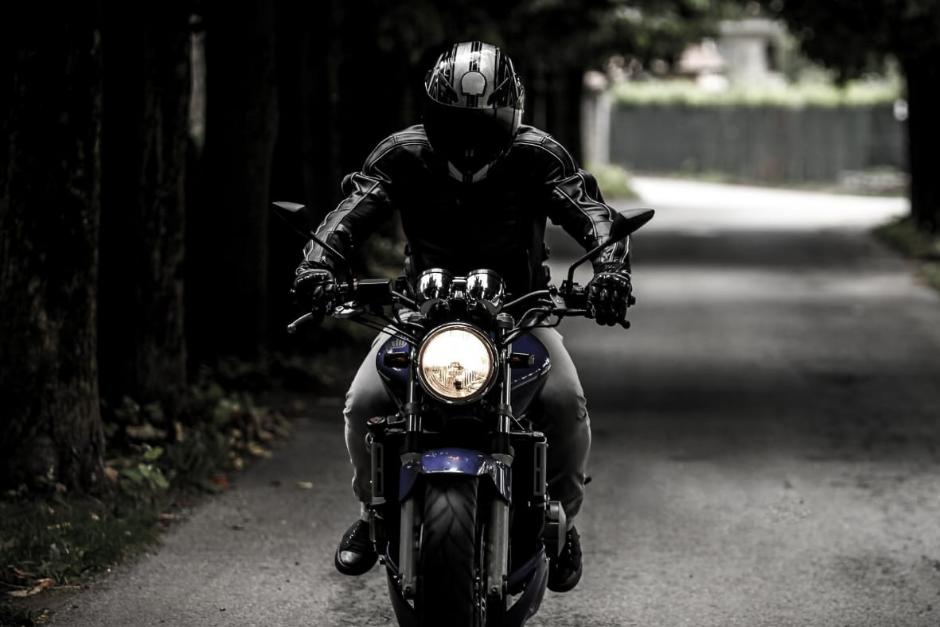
582 259
346 266
330 250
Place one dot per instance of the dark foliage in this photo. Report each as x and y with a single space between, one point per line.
853 35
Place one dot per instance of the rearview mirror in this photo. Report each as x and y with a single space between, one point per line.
300 219
628 222
297 217
623 225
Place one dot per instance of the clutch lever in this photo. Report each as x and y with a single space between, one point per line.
293 326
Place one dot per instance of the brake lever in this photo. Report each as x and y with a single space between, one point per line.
293 326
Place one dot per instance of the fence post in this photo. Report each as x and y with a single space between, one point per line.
595 120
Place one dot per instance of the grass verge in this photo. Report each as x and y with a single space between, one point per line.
904 236
157 466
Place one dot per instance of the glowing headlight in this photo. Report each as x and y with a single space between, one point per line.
456 362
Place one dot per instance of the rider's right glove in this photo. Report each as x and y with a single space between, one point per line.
313 287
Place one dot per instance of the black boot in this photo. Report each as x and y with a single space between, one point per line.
356 554
564 570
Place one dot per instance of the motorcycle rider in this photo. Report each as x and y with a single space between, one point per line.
474 188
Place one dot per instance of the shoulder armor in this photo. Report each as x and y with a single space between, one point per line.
413 137
549 147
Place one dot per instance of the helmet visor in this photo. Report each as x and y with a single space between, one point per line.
470 139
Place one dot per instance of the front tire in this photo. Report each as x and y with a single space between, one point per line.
448 563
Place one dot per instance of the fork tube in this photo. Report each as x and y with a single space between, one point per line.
406 548
497 563
412 415
505 409
406 536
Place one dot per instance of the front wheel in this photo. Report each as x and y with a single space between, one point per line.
449 561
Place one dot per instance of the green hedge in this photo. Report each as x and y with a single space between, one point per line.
613 180
686 93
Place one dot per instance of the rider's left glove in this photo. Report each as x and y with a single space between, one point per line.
313 288
609 294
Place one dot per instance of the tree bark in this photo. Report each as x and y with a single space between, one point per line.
320 96
50 104
146 56
923 137
569 115
227 236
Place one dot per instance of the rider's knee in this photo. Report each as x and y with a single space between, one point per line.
565 404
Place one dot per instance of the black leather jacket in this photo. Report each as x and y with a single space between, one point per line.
497 223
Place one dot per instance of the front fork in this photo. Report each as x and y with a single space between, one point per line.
407 544
497 540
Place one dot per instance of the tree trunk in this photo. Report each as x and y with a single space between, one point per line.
553 102
227 236
49 212
569 121
320 96
923 137
146 105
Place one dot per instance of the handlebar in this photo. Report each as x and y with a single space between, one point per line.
366 296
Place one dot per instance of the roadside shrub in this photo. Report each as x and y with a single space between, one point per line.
815 94
613 180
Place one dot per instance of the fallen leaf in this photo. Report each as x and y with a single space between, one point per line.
146 432
152 453
39 586
257 450
219 480
305 485
111 473
22 574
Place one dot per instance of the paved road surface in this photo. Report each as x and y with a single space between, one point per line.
766 448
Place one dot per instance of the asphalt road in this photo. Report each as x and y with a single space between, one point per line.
766 446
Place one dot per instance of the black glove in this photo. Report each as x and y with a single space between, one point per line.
313 289
609 294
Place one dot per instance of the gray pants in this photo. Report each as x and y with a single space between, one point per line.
564 421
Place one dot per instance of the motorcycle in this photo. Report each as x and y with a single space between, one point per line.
460 514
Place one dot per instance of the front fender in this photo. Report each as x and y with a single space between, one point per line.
457 461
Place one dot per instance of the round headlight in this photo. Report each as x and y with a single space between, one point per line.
456 363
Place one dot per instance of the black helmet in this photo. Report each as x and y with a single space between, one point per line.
473 108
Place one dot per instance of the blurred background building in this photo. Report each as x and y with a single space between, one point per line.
747 105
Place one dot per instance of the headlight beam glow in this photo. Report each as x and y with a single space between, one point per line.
457 363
